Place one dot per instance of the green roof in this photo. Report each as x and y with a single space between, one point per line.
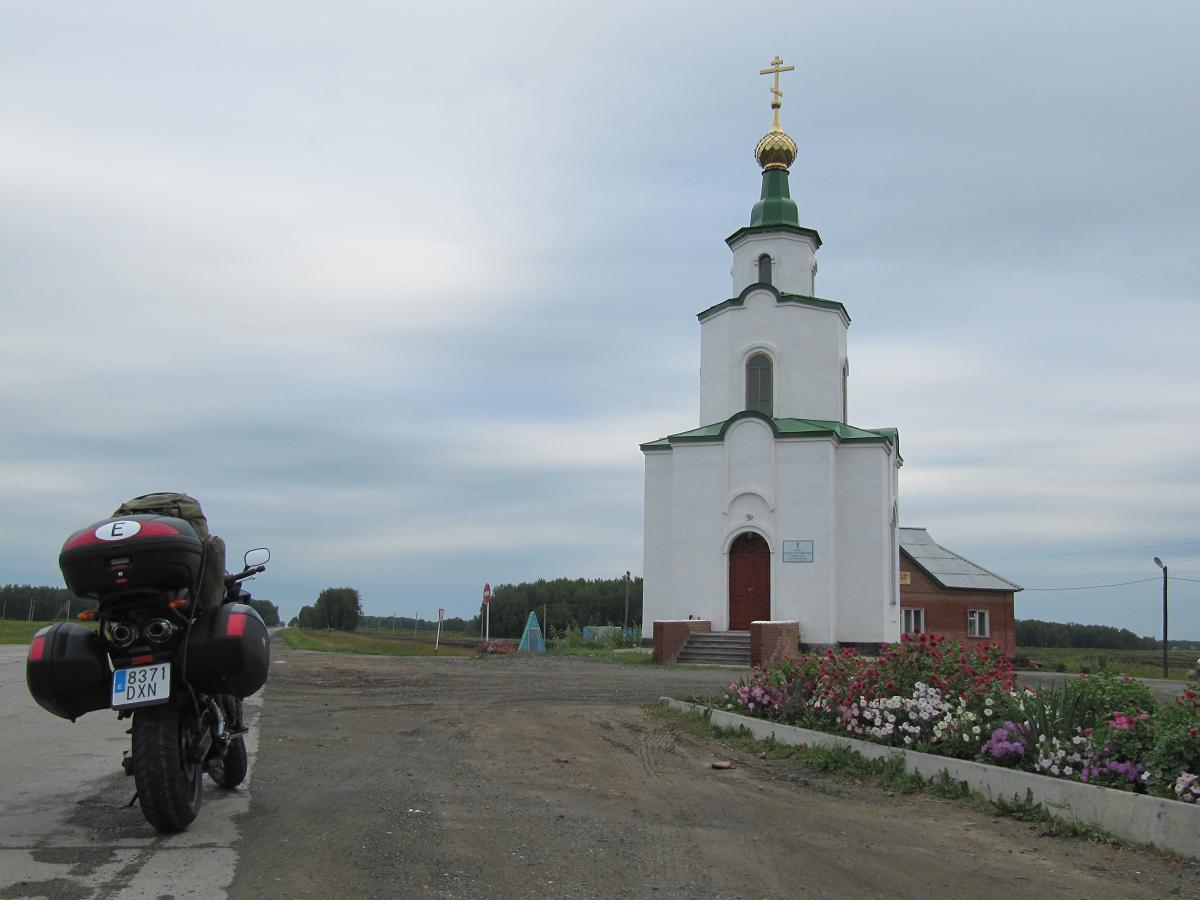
782 428
780 298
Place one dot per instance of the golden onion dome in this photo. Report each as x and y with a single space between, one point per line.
775 149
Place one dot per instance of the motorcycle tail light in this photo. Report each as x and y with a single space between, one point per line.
37 648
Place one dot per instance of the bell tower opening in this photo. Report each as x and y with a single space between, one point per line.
764 269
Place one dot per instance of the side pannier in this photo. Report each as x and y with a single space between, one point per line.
228 651
67 670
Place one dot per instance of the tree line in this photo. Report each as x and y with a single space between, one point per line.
1036 633
564 602
43 603
337 608
40 603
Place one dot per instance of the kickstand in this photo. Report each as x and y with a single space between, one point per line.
132 800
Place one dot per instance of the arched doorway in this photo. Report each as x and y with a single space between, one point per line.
749 581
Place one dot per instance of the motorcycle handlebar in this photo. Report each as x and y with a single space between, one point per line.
243 575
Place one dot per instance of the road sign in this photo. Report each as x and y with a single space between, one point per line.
487 593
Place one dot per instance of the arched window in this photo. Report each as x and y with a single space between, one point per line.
764 269
759 396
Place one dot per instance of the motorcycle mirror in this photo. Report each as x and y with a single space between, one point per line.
257 557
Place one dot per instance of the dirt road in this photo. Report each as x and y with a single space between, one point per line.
386 777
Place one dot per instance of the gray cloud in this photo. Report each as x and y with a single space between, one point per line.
398 290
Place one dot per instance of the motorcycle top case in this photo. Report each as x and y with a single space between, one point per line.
228 651
129 553
67 670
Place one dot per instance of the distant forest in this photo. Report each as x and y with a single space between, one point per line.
1036 633
42 604
565 602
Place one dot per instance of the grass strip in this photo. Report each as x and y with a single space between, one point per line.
890 774
19 631
371 645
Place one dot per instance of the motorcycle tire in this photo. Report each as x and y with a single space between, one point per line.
169 778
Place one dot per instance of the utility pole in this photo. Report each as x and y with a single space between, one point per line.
626 628
1162 565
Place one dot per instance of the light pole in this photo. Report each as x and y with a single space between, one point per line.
1162 565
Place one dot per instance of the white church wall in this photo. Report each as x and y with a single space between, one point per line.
656 545
793 261
805 512
750 459
807 347
866 569
699 581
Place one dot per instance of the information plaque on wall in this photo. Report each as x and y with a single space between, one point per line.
798 551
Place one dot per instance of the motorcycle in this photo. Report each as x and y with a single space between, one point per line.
178 672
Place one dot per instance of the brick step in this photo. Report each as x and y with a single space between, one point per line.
711 637
717 649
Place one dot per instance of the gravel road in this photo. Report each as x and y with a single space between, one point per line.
392 777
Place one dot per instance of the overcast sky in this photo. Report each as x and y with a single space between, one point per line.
398 290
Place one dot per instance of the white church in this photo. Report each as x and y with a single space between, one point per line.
775 508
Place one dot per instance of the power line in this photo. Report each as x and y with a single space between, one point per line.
1092 587
1089 552
1177 578
1086 574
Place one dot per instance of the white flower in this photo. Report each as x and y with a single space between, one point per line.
975 729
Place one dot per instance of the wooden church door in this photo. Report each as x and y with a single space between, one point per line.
749 581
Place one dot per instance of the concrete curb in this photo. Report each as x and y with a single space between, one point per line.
1166 824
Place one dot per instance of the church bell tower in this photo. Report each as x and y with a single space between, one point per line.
774 347
774 509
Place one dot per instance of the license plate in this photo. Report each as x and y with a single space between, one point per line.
141 685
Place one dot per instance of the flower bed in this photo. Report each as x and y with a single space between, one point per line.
934 696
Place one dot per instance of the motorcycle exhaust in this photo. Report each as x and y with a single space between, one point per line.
159 631
122 634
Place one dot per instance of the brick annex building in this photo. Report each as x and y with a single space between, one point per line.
943 593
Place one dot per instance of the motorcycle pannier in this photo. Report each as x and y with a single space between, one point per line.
67 670
134 552
228 651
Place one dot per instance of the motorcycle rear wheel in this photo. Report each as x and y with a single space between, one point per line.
168 776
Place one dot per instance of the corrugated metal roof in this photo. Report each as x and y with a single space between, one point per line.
948 568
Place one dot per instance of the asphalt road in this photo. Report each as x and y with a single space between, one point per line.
68 830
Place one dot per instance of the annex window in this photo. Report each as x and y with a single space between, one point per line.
914 620
977 623
764 269
759 395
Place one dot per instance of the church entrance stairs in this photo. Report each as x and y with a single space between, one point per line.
717 648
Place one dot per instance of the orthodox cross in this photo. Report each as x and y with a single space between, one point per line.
777 66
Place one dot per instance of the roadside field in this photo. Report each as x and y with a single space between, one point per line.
16 631
1137 663
374 643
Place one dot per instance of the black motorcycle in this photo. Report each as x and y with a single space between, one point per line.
179 672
